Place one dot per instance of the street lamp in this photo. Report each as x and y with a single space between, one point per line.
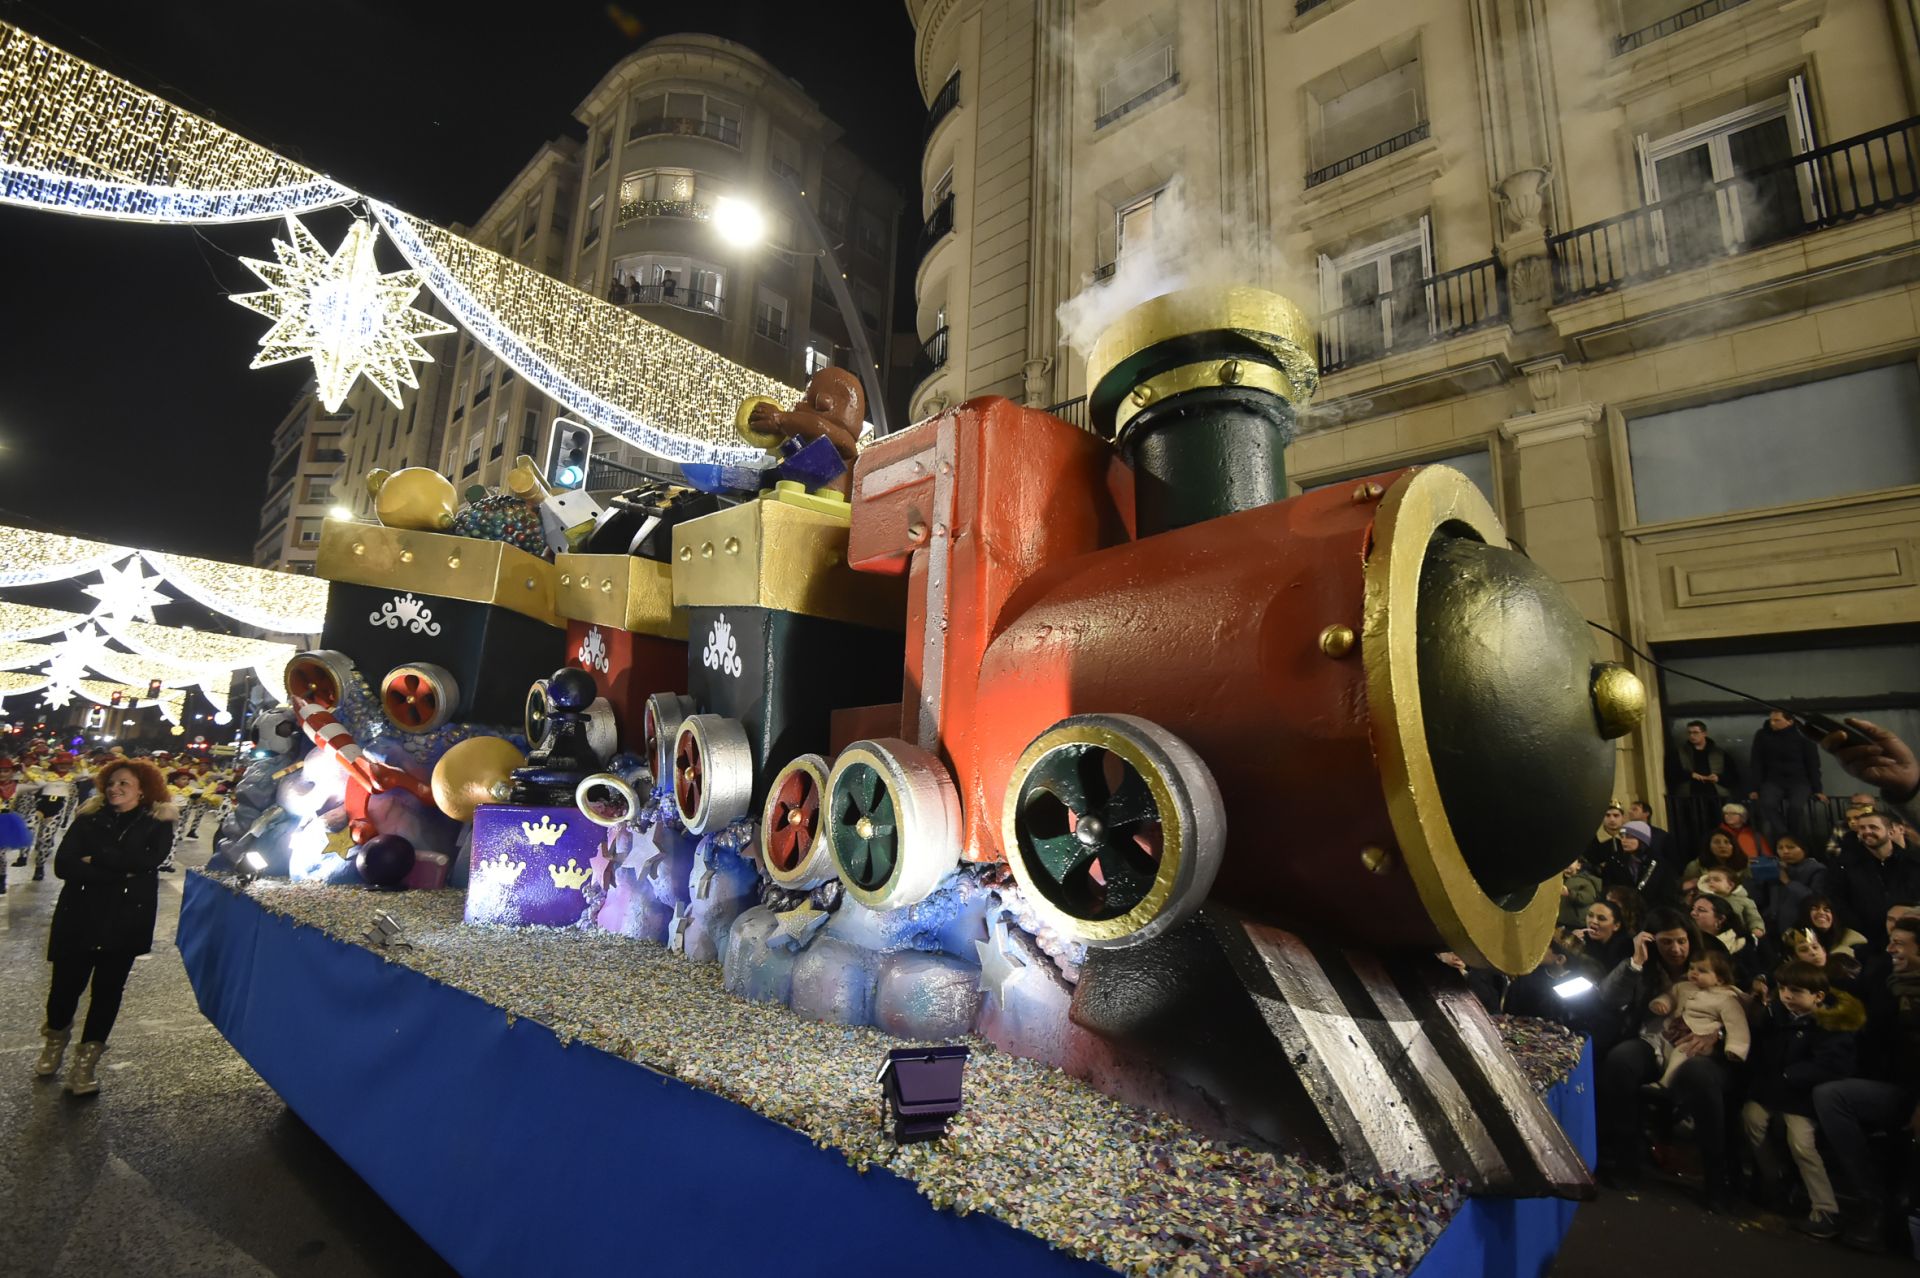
742 225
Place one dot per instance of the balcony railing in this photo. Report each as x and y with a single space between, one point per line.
942 105
1852 178
664 295
934 350
1667 26
937 225
771 329
724 131
635 210
823 294
1071 411
1430 310
1418 133
1303 7
782 169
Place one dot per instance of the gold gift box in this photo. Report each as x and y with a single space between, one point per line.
488 572
784 554
620 591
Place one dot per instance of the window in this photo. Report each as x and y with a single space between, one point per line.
670 280
688 114
870 233
309 532
819 354
770 315
316 489
475 442
595 208
530 433
1771 200
1374 299
785 156
484 378
530 220
1760 450
508 238
941 189
326 448
499 434
1374 102
1140 77
1133 224
602 148
835 207
1476 464
666 193
867 298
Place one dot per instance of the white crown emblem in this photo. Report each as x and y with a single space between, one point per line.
593 651
544 835
500 869
570 875
406 611
722 652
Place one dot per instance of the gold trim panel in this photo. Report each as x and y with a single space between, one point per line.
621 591
488 572
776 554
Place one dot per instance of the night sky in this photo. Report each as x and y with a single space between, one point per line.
127 411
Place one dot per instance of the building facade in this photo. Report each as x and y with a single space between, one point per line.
1644 269
686 121
308 459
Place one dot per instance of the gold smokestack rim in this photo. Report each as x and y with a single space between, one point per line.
1198 337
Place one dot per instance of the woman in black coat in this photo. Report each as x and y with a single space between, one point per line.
104 919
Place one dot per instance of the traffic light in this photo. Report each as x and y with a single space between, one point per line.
153 689
114 701
569 454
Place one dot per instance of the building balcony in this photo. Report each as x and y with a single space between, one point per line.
685 127
1399 142
771 329
1834 222
640 210
937 225
943 105
929 362
667 295
782 169
1430 310
1631 40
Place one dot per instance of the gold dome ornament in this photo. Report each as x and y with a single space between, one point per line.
415 497
477 771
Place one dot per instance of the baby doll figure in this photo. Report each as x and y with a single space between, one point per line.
1705 1003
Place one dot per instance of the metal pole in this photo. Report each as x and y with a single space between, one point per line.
843 298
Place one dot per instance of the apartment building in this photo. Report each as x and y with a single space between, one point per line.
308 457
689 120
1643 269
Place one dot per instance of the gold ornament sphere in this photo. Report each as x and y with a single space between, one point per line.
476 771
416 498
1619 699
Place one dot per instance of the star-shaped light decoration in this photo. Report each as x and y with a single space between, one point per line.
58 696
77 652
126 593
339 842
340 311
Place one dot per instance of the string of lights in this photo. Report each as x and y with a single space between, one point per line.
599 360
77 139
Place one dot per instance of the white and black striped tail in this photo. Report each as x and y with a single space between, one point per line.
1404 1066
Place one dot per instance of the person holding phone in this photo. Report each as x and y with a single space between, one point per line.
1874 755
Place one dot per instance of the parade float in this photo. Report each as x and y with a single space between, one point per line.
633 855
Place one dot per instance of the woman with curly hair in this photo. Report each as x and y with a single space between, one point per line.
103 921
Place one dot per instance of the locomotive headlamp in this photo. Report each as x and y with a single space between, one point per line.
1199 390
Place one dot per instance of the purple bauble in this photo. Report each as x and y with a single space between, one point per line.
386 860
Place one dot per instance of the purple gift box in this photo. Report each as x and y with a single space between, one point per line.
531 865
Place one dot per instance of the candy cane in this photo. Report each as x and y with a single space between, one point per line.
323 729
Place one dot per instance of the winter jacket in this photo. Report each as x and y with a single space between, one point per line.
1785 757
1583 888
1749 840
1710 760
1794 1054
1863 887
1651 876
1890 1044
1781 900
109 902
1625 994
1747 912
1714 1011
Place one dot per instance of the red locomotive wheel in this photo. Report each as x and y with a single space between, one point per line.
418 698
794 820
688 782
319 677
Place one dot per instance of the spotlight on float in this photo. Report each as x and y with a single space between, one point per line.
569 454
252 866
384 932
339 512
223 717
1573 987
920 1090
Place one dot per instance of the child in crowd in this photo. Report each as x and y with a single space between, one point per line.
1705 1003
1806 1039
1842 969
1720 883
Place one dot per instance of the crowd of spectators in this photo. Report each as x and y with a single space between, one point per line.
1749 986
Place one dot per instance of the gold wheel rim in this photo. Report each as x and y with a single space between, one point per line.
1473 924
1173 832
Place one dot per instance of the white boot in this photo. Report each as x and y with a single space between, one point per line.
80 1079
51 1051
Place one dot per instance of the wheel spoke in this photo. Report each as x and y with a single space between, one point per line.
1096 784
880 862
1059 775
1128 874
860 861
1131 804
1061 856
865 788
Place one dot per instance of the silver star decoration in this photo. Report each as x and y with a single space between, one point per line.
703 882
58 696
797 926
998 967
126 593
677 939
338 310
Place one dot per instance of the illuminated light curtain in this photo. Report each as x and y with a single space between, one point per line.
77 139
281 602
196 647
30 558
24 621
631 378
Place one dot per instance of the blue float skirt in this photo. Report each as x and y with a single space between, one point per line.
14 832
